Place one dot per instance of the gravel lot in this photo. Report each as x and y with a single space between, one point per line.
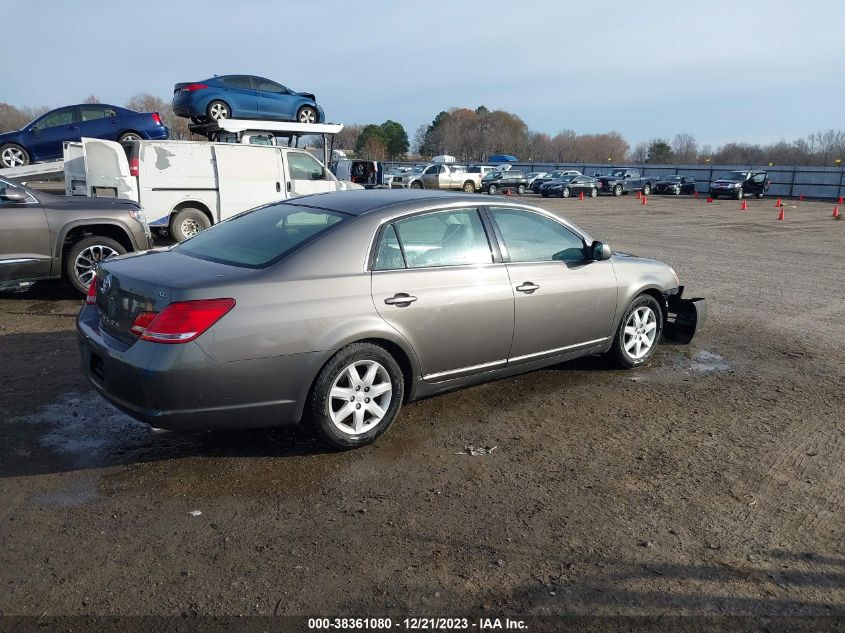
710 482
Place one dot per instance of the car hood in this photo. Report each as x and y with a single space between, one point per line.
726 182
8 136
668 182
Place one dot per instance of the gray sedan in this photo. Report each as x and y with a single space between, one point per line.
338 308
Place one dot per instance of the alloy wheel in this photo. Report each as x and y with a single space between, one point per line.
13 157
640 332
360 397
218 111
86 262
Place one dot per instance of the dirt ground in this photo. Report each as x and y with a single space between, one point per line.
708 483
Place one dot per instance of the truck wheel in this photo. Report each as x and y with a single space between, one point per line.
469 186
520 189
218 110
82 259
638 334
416 185
617 190
647 189
187 223
492 189
356 396
13 155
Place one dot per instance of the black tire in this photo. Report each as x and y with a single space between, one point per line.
740 194
544 194
617 354
760 196
217 110
594 192
417 184
647 189
188 222
492 189
13 155
129 135
469 186
79 275
520 189
307 114
678 191
198 119
565 192
321 402
618 191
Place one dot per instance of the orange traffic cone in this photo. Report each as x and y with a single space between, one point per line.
581 196
780 215
709 200
639 195
778 203
835 215
841 200
506 192
801 198
643 199
744 205
694 194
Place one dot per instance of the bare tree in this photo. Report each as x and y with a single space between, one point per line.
640 152
91 99
685 148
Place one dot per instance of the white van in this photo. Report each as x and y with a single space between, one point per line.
186 186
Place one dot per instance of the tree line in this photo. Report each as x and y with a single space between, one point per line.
474 135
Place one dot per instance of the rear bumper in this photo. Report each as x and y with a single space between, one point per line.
179 387
686 317
158 133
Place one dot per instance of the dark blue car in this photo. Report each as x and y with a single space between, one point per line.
244 97
43 138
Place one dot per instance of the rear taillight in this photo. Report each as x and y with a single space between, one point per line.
133 166
182 321
156 118
91 299
192 87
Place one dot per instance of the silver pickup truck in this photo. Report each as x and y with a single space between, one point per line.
441 176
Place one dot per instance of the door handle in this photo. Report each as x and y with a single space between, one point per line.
400 299
528 287
278 186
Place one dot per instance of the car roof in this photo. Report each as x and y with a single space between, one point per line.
362 201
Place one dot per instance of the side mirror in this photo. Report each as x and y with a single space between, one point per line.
600 251
12 195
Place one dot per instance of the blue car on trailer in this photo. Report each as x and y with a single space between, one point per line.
44 138
244 97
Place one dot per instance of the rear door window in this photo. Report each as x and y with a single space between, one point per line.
444 238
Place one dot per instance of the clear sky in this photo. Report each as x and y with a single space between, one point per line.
722 70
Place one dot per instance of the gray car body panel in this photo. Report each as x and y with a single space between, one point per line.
255 366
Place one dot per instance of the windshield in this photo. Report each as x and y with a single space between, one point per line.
735 176
419 169
672 179
260 237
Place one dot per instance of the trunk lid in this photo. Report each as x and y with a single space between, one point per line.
150 281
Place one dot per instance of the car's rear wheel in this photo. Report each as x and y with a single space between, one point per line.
617 190
520 189
218 110
84 256
469 186
416 185
638 334
492 189
187 223
356 396
129 136
306 114
13 155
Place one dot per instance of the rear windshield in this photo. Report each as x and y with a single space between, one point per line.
261 237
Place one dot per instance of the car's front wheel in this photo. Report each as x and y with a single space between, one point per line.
520 189
646 189
492 189
356 396
416 185
306 114
13 155
760 196
564 193
594 192
638 334
84 256
740 194
617 190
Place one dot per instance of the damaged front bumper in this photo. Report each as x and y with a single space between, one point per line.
685 317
